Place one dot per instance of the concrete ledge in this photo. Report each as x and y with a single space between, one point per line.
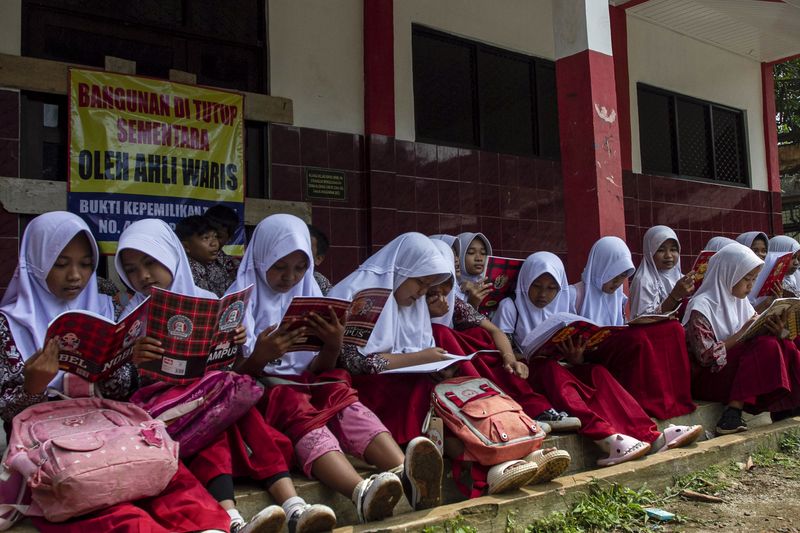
489 513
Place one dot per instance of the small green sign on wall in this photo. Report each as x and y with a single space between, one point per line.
325 184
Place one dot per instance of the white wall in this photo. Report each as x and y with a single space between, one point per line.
316 59
524 26
10 27
668 60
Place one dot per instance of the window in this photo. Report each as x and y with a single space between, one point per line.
223 43
474 95
688 137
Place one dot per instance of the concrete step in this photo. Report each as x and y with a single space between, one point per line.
251 497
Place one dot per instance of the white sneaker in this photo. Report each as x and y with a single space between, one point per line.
376 496
267 520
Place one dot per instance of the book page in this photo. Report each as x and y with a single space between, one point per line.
778 307
436 366
92 346
653 318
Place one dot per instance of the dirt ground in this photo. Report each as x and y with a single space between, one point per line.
762 499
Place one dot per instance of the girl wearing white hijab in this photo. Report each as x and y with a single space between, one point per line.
762 374
715 244
150 254
56 273
322 420
608 414
756 241
650 361
779 247
473 250
455 248
658 285
785 244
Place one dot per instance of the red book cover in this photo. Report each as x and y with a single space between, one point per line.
93 347
579 330
196 333
502 273
776 275
301 307
700 266
365 309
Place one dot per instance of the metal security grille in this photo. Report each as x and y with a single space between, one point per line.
688 137
474 95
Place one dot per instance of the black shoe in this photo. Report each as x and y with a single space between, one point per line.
731 422
777 416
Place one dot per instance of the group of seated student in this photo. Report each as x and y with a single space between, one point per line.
346 405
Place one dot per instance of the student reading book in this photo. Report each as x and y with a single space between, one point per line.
658 285
149 254
609 415
758 374
56 272
501 273
650 361
786 244
756 241
769 283
325 418
474 248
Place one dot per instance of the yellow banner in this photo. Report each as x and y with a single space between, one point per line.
143 147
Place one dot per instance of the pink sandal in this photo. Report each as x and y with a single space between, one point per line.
677 436
624 448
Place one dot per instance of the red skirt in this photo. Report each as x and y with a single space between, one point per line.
764 373
296 410
184 505
489 366
652 363
591 393
249 448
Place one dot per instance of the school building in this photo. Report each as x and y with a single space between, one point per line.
545 124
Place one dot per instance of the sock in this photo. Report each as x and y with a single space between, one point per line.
397 470
236 517
293 504
357 491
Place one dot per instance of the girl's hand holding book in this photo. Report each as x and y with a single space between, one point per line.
477 291
329 330
572 350
776 325
146 349
241 335
683 288
41 368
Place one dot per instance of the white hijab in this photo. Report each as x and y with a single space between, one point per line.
786 244
400 329
608 258
715 244
714 299
519 314
28 304
748 238
274 238
155 238
447 253
464 240
650 285
455 246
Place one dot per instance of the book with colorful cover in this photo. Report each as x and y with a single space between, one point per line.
436 366
502 273
196 333
92 346
559 327
791 306
700 266
359 316
776 275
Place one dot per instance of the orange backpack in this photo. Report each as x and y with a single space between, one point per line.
492 426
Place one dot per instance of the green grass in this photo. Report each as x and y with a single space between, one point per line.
454 525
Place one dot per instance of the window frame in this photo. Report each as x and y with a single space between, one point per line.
675 136
476 48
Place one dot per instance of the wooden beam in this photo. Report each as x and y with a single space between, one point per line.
34 197
45 76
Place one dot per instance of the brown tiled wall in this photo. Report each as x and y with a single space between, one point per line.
398 186
696 211
9 167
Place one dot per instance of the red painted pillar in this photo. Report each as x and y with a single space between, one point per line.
771 147
379 67
589 127
619 44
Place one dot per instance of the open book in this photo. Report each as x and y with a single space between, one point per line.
502 273
778 307
700 266
92 346
436 366
196 333
545 338
359 316
642 320
776 275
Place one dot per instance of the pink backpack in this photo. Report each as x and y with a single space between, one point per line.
197 413
492 426
85 454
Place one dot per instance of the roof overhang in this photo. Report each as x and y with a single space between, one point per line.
763 30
